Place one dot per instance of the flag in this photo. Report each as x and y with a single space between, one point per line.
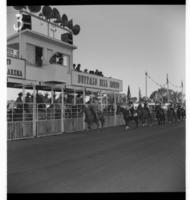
182 84
140 96
167 79
128 93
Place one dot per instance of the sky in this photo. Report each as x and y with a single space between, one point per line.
124 41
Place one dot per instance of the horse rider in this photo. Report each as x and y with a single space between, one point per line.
94 107
146 106
131 108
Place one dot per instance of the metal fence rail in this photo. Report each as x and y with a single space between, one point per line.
25 120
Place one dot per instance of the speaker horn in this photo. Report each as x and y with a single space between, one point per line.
34 9
76 29
47 12
70 24
55 14
64 20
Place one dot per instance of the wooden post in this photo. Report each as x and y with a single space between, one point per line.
115 107
146 74
52 93
83 117
101 105
34 112
167 82
74 97
23 113
62 110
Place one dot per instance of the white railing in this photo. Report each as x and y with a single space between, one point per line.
43 111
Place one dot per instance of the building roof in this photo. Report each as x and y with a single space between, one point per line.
41 36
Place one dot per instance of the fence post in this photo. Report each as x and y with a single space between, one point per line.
101 104
23 113
34 112
62 110
115 122
83 116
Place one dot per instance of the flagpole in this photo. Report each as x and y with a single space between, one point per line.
182 91
167 82
146 84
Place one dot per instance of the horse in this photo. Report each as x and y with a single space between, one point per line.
128 115
144 115
180 113
91 117
171 115
160 115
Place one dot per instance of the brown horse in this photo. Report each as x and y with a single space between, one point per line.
91 117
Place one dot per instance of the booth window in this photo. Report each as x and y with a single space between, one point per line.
59 58
34 55
39 56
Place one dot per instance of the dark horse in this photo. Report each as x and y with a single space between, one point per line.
91 117
180 113
128 115
160 115
171 115
144 115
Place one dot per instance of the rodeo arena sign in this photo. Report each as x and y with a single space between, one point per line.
57 96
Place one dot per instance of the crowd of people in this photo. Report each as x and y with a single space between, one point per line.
44 99
96 72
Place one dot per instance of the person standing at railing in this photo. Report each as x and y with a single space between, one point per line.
28 101
46 99
19 102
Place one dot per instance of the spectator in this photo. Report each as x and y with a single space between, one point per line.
91 72
27 102
78 68
19 101
46 99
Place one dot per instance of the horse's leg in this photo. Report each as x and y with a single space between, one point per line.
97 123
126 124
136 121
150 118
102 122
143 121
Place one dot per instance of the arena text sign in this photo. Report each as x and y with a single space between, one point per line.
15 68
89 80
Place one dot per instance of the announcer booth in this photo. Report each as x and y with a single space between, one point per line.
40 65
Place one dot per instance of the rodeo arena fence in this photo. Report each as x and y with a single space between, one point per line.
35 120
29 120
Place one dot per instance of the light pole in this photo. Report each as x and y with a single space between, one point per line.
146 84
167 82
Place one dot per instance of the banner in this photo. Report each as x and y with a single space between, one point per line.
15 68
94 81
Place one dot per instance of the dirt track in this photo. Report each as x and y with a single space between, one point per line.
149 159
